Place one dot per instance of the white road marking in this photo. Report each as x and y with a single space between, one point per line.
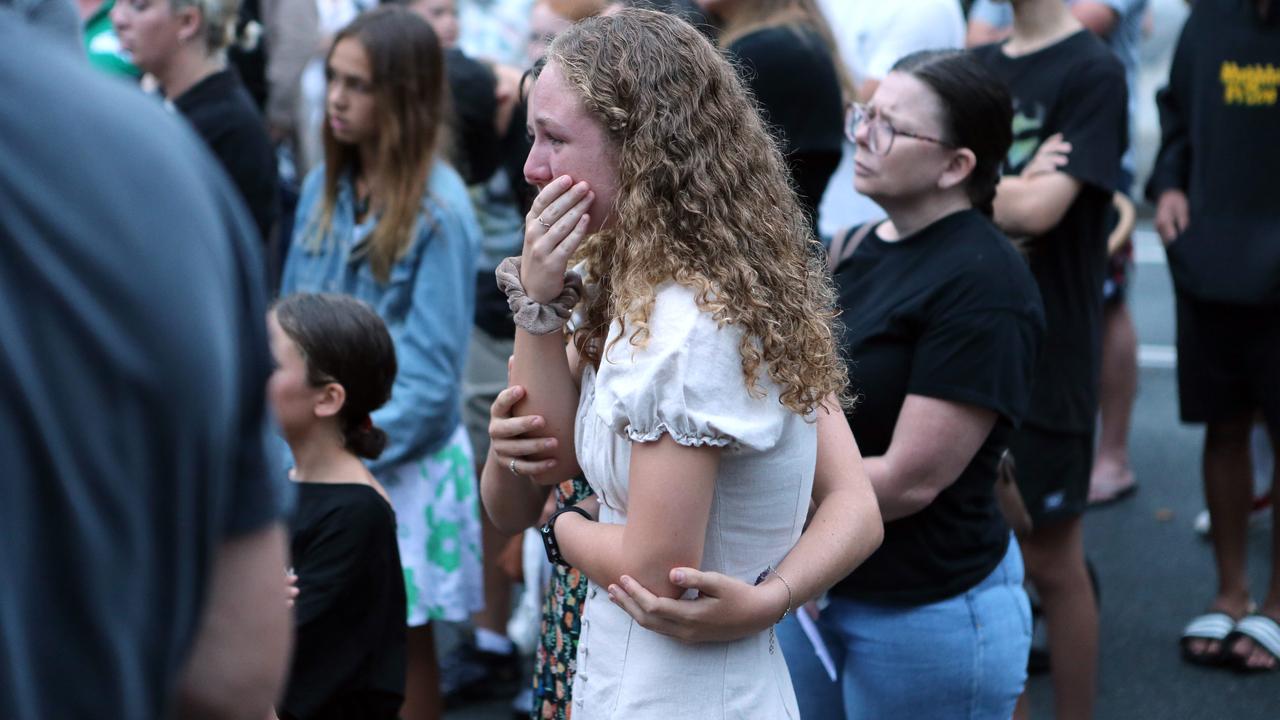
1147 248
1157 356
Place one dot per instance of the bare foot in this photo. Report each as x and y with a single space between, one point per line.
1109 480
1247 653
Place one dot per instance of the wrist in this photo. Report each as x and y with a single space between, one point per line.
770 578
555 529
774 600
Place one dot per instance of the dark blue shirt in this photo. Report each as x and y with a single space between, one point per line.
133 361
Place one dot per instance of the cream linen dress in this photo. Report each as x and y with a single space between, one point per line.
688 383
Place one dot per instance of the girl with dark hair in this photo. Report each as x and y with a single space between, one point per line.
942 327
335 364
385 220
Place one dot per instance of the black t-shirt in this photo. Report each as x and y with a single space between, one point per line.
950 313
473 90
133 366
349 653
794 80
226 117
1075 87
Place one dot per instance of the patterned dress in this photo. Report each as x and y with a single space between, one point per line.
561 616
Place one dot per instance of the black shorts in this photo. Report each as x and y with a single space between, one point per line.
1119 273
1228 361
1053 471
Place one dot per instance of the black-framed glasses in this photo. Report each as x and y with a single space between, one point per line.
880 132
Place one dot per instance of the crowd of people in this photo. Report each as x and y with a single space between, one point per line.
765 355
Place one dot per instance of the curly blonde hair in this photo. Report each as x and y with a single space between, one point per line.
703 199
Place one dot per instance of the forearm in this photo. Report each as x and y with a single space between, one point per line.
1015 208
844 526
605 552
594 548
1032 206
239 656
844 531
512 501
900 493
542 368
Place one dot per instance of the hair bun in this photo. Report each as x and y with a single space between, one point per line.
366 441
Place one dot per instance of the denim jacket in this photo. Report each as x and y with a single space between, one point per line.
427 302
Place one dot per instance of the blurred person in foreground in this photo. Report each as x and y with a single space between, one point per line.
144 556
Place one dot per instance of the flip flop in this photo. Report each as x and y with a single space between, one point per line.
1265 634
1121 494
1210 626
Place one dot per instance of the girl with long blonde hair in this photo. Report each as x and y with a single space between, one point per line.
386 220
700 385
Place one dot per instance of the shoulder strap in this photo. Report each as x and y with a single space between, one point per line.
845 243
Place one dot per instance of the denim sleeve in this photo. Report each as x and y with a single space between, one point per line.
431 349
308 201
987 11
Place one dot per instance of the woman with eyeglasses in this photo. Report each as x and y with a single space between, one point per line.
943 323
942 326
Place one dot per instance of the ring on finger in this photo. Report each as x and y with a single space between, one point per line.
512 467
544 223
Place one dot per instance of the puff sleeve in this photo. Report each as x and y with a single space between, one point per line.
686 382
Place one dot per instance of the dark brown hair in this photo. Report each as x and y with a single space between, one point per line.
342 340
977 113
411 109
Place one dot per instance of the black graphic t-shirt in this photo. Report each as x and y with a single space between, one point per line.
951 313
1075 87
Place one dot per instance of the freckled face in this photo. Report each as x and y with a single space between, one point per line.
568 140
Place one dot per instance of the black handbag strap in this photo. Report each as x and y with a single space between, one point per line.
845 243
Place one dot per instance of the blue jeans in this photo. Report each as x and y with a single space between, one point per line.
963 657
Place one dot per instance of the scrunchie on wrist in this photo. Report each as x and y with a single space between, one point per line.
535 317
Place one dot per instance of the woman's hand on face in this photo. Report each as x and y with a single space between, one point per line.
513 440
1051 155
726 608
556 224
